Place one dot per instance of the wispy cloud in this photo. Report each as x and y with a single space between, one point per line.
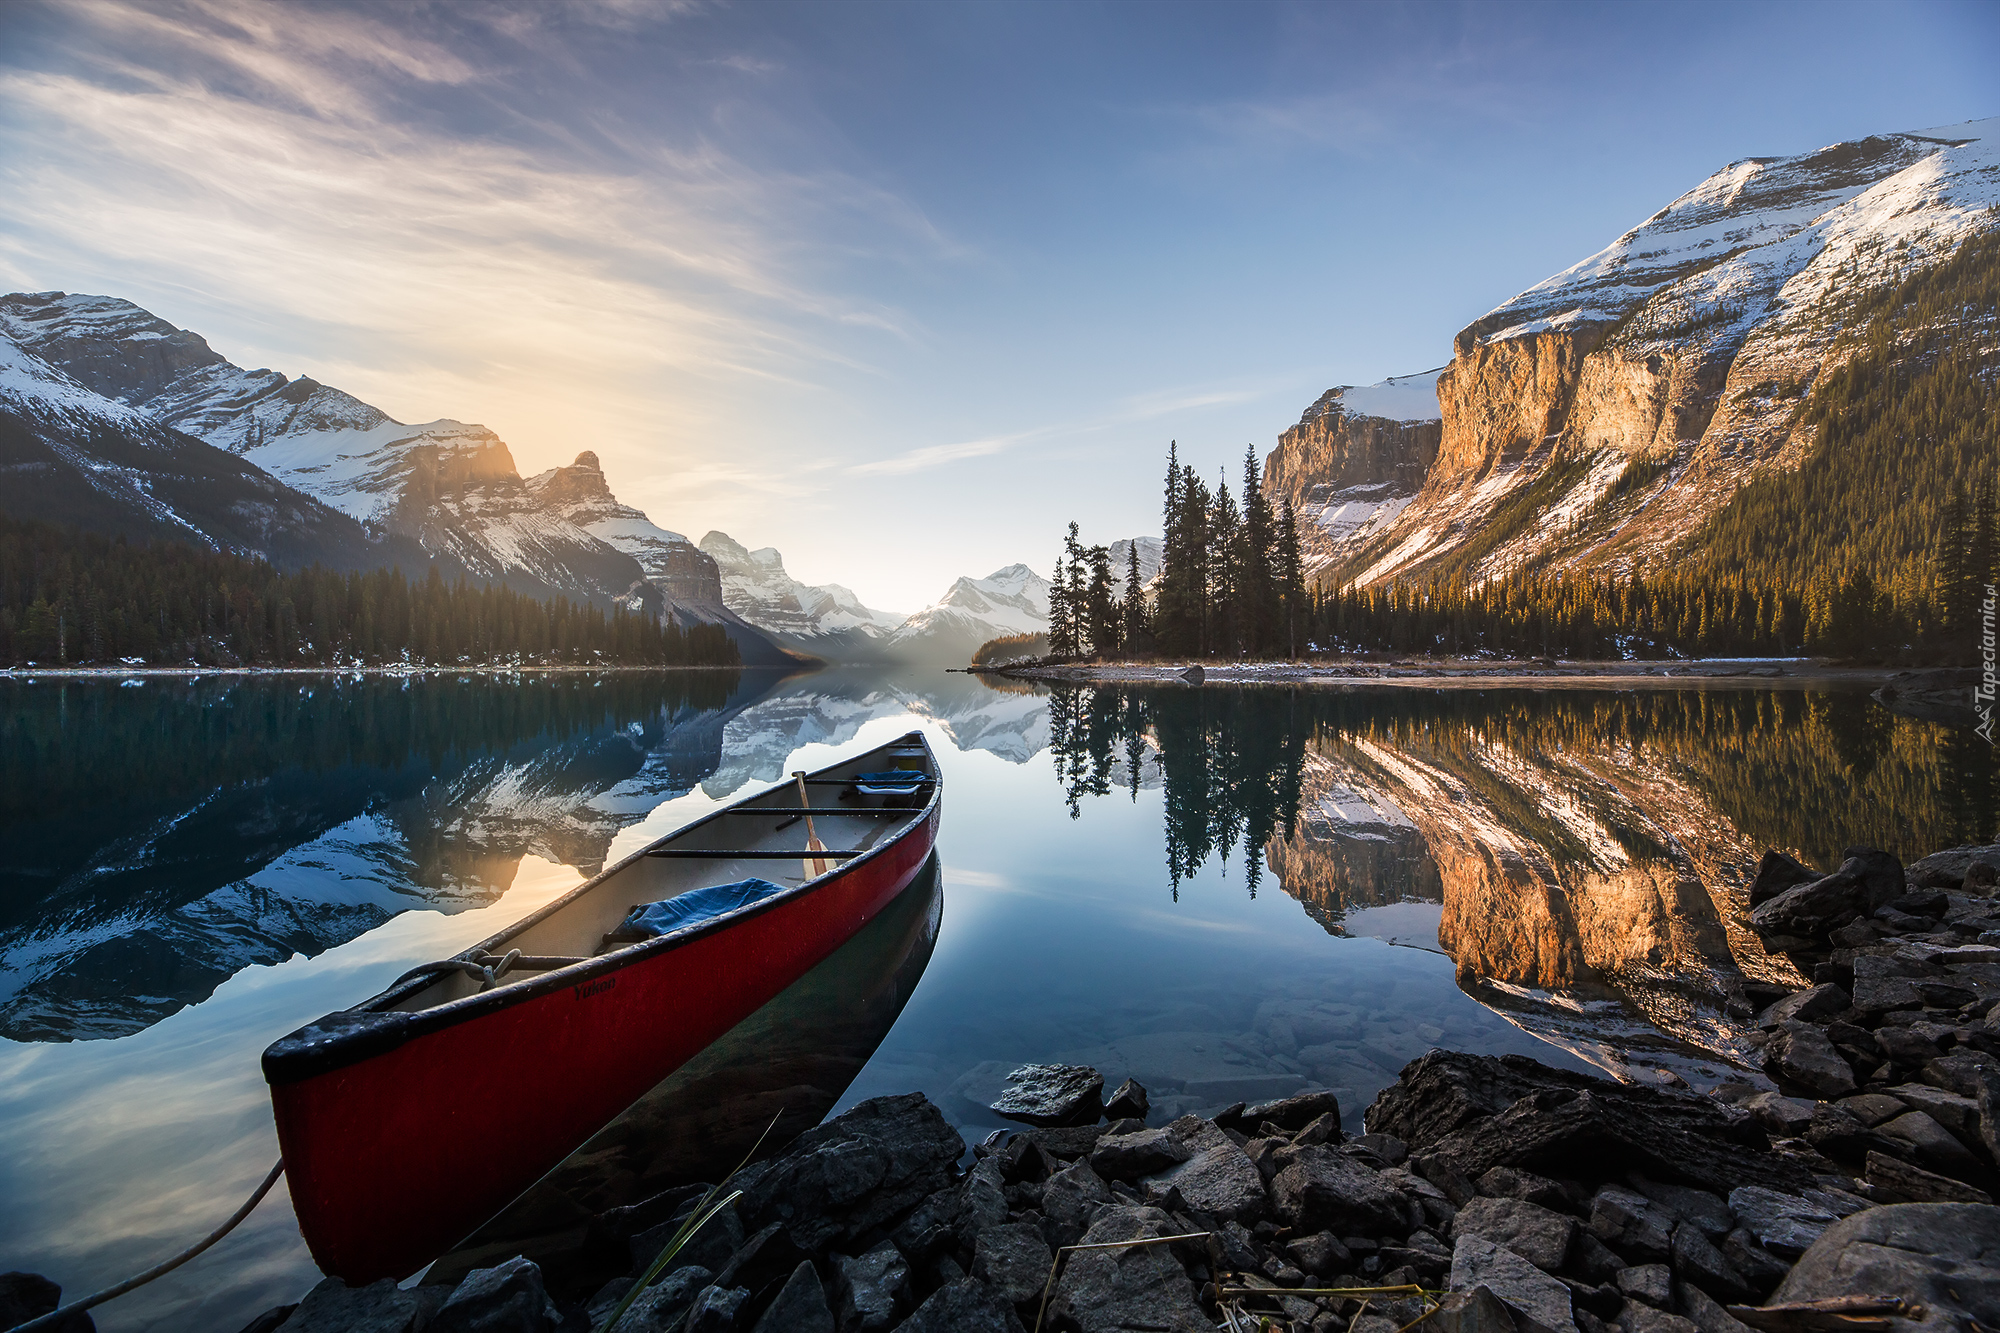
265 160
1138 408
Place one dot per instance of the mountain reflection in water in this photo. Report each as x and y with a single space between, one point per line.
1589 853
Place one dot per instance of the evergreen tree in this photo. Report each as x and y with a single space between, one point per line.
1137 631
1224 611
1289 570
1102 621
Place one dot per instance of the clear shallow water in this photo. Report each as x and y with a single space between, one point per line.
1199 888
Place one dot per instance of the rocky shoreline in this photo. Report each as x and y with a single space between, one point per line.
1850 1189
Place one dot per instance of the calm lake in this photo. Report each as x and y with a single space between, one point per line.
1225 893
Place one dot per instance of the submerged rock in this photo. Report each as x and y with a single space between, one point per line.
1052 1095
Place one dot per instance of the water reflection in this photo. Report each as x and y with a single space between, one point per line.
192 869
1587 853
155 841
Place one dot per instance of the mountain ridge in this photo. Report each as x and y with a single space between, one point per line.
1599 418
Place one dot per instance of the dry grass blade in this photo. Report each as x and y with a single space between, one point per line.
1065 1251
698 1217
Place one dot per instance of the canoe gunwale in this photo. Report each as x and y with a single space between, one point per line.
372 1028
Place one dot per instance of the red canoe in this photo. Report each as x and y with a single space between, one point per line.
410 1119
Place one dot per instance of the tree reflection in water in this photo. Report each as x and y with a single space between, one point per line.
1587 852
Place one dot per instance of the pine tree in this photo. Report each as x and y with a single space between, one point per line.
1136 630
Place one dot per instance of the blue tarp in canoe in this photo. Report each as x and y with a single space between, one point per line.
695 905
898 777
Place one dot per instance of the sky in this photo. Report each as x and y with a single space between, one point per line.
900 289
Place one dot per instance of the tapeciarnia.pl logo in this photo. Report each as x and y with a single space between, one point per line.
1982 696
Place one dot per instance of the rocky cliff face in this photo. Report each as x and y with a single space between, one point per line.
1599 417
1356 458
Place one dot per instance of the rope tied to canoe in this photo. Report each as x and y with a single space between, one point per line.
54 1316
484 968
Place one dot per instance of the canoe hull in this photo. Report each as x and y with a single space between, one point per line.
394 1158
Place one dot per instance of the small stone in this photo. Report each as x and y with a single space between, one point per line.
1127 1100
1757 1265
1536 1234
1872 1108
1780 1116
25 1296
1651 1283
1014 1260
1776 873
1321 1190
335 1307
800 1306
1323 1128
1697 1262
1963 1072
964 1306
1637 1318
1052 1095
1935 1146
717 1309
1474 1311
1899 1182
1705 1312
1105 1290
1801 1054
660 1306
1135 1156
871 1286
1222 1181
1818 1002
1506 1182
1540 1303
1707 1211
1784 1224
1392 1150
1319 1254
507 1298
1631 1224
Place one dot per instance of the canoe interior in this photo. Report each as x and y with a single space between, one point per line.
575 926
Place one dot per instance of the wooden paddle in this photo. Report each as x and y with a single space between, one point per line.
815 866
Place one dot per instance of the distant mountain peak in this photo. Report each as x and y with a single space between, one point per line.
827 620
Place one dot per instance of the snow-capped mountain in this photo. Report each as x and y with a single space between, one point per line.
1149 560
449 487
1355 461
686 576
1012 600
827 620
73 456
1686 346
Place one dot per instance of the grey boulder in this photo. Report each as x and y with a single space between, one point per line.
1945 1256
1535 1233
1052 1095
1138 1287
1540 1303
1801 1053
1132 1156
799 1307
1013 1259
335 1307
507 1298
1221 1181
964 1306
1785 1224
871 1287
1322 1190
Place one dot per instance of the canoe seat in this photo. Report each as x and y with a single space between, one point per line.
647 920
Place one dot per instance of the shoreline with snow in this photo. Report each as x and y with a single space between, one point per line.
1738 670
31 673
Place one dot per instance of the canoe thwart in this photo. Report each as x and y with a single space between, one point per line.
761 854
795 811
